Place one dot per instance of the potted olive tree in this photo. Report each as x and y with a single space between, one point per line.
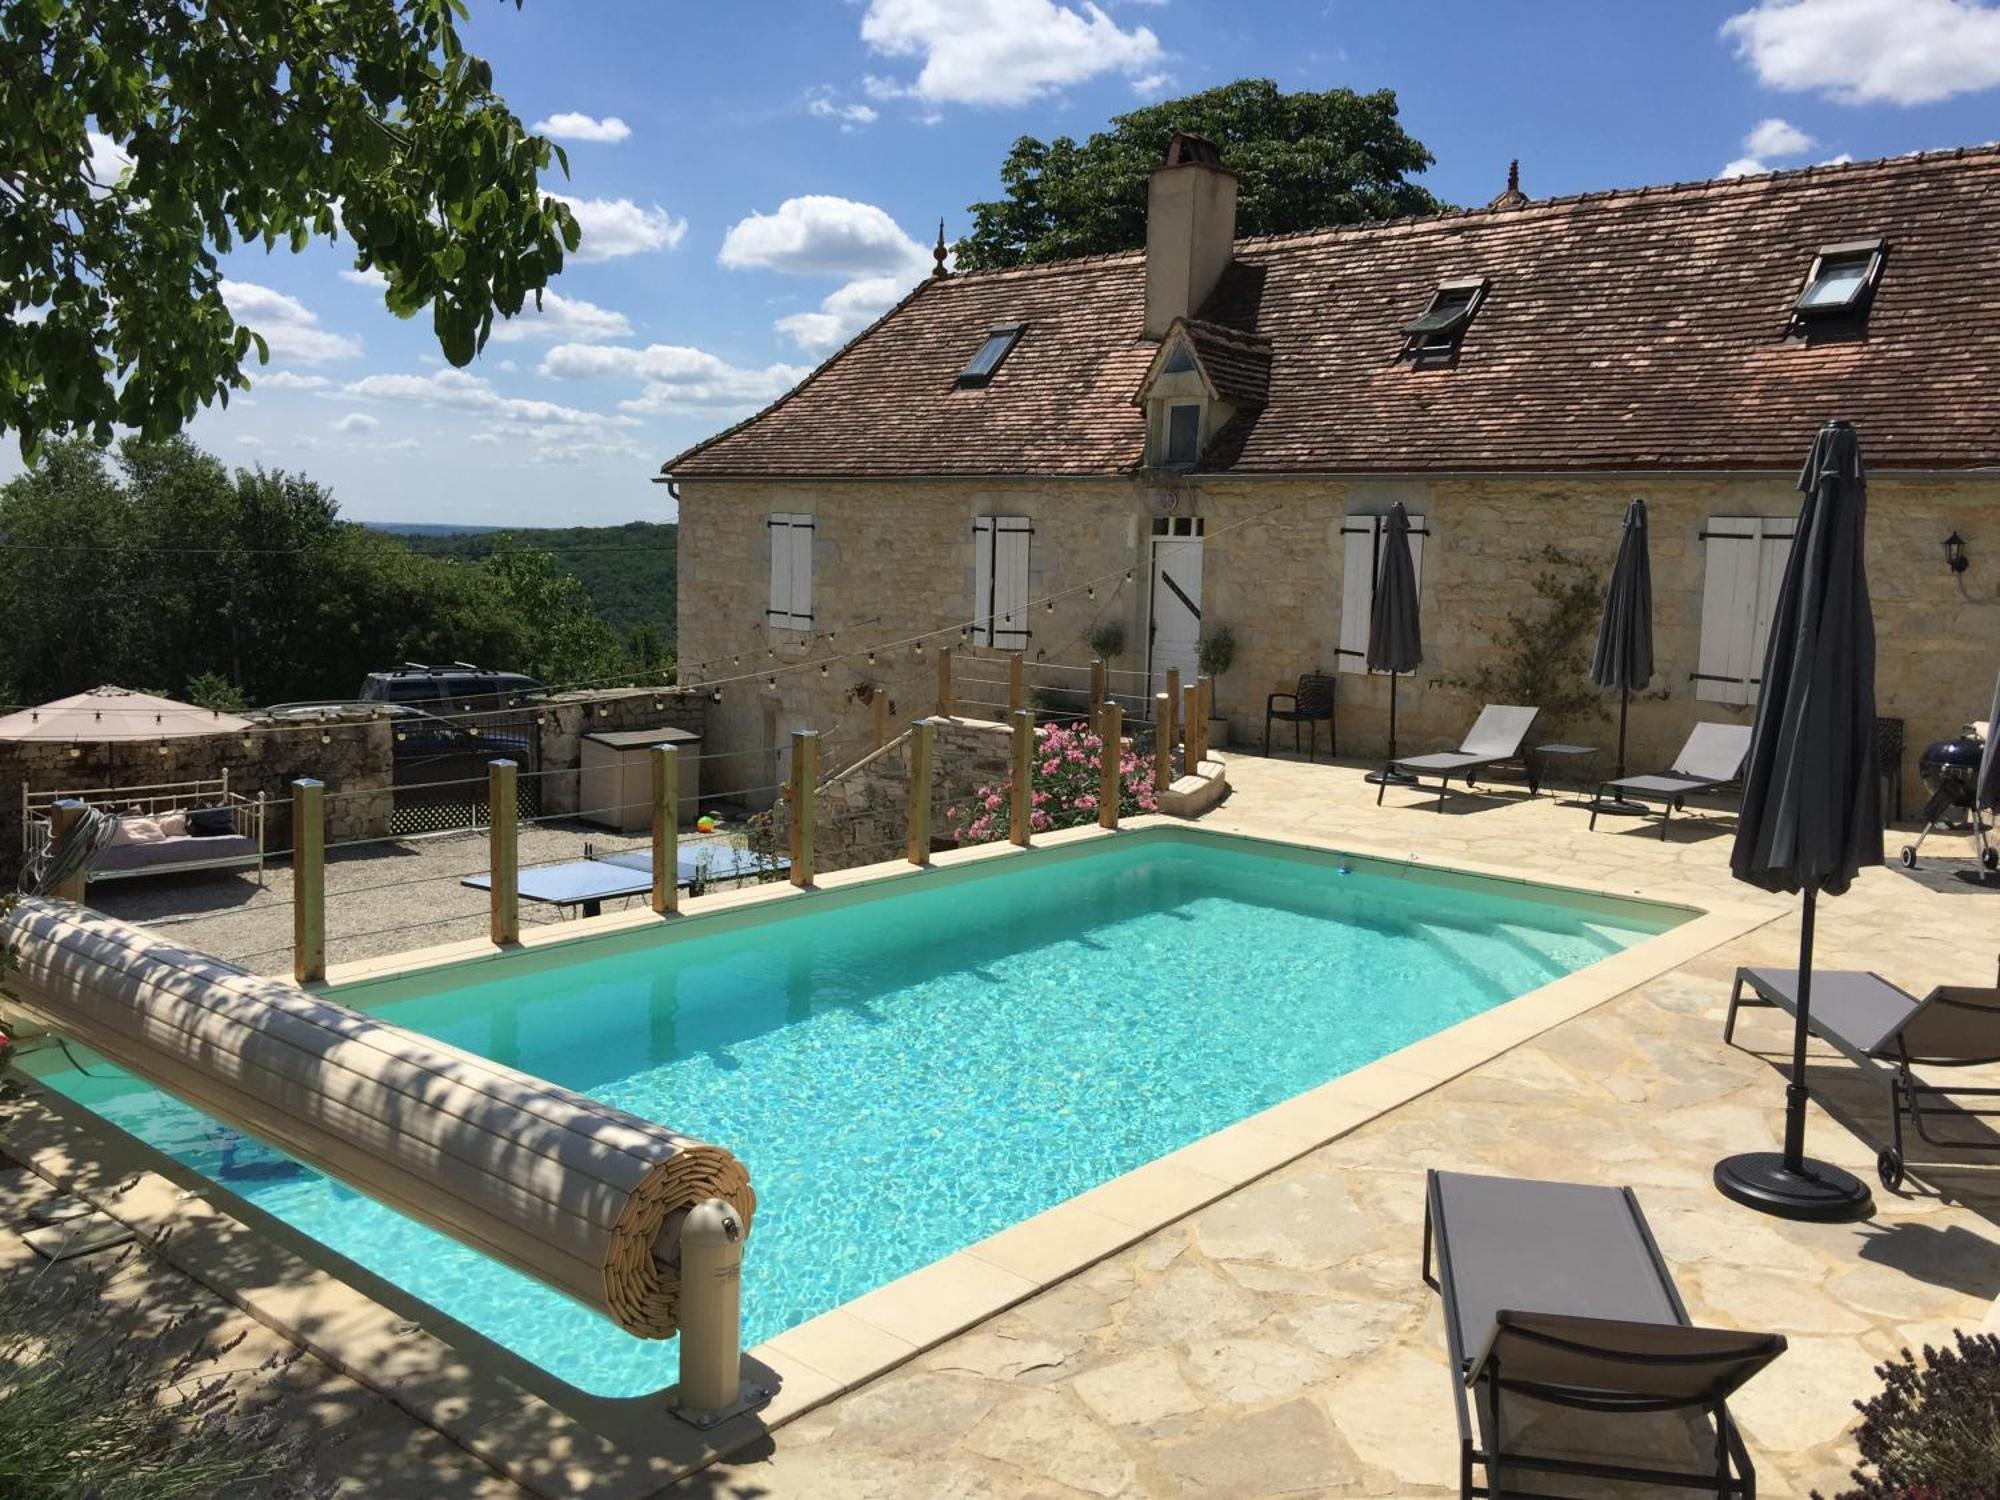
1214 655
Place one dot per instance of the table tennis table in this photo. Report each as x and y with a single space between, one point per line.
589 882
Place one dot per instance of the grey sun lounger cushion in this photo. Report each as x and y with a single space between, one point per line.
1557 1291
1495 735
1864 1015
1713 756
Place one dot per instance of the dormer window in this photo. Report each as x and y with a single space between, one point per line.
1842 280
1000 339
1435 334
1183 445
1181 361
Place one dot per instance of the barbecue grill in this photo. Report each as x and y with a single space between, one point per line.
1950 771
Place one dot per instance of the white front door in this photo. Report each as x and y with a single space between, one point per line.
1176 621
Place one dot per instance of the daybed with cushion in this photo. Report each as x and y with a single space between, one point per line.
162 829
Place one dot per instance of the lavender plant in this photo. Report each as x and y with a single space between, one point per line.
1933 1432
95 1405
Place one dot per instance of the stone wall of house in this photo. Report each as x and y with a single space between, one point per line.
350 752
895 559
861 814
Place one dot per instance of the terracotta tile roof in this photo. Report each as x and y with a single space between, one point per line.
1623 330
1237 364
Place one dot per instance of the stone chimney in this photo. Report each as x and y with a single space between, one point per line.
1190 230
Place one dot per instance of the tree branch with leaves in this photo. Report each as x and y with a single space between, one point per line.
243 122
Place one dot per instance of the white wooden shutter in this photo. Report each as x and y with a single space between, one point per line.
1774 550
1745 564
1000 581
1357 590
790 606
1361 565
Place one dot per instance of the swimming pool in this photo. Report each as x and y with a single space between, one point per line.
910 1067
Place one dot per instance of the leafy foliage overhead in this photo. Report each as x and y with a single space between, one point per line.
257 122
168 573
1302 161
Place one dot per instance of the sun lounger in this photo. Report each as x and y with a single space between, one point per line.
1495 740
1869 1020
1556 1293
1711 759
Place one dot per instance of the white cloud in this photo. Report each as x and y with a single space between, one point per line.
1001 51
678 378
1871 51
355 421
1743 166
819 235
1775 137
569 319
843 313
290 328
400 445
369 278
613 227
1149 84
246 440
108 164
823 103
285 380
1838 161
571 126
456 389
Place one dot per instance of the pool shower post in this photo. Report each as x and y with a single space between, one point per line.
308 880
712 1385
666 830
503 853
923 736
1022 802
805 781
1111 752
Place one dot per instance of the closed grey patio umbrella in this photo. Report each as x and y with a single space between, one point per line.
1986 796
1812 801
1395 627
1624 655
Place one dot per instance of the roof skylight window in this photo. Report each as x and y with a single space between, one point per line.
999 340
1435 333
1841 280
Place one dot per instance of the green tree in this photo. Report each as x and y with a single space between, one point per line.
258 121
561 639
1302 161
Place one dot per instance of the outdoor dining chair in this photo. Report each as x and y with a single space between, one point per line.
1311 702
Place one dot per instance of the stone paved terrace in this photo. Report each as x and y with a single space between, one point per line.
1280 1342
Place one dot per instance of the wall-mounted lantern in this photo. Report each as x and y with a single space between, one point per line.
1954 553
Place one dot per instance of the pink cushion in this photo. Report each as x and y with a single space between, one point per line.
132 830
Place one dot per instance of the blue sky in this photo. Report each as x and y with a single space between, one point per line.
756 181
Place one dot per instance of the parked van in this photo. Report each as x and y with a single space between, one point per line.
458 686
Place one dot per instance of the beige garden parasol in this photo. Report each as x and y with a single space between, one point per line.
105 714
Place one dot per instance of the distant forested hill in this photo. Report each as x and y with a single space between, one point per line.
628 570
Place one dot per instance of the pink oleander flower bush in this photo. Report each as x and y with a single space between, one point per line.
1064 789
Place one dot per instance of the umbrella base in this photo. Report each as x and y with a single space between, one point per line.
1758 1179
1388 777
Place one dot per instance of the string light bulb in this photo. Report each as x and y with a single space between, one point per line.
1090 591
822 669
163 747
716 696
871 658
324 739
75 751
771 683
248 743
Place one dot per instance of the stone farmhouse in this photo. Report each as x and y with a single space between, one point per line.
1207 433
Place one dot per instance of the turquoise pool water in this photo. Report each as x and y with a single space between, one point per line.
909 1073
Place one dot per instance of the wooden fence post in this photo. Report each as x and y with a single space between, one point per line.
1096 681
1174 698
881 706
805 782
63 816
1017 683
1111 729
308 880
944 682
666 829
1022 803
1163 742
923 735
503 852
1191 729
